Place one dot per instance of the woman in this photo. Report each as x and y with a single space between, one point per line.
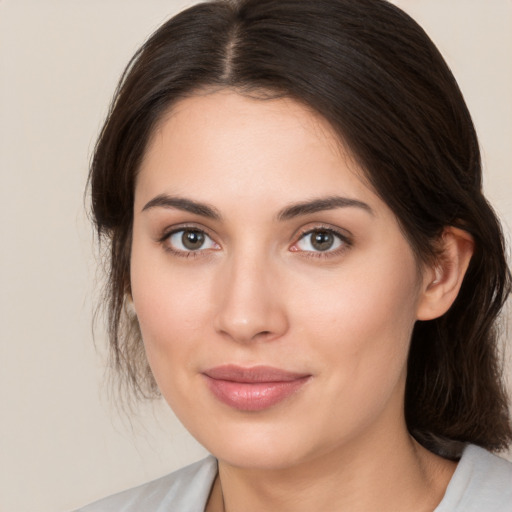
303 264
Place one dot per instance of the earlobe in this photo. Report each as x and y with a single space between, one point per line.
129 306
443 281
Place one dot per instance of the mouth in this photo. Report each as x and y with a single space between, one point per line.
253 389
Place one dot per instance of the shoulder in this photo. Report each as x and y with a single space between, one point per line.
186 490
482 481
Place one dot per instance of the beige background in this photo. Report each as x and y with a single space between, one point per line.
62 442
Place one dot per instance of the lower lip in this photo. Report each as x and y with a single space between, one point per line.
254 396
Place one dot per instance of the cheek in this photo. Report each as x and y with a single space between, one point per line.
362 320
172 306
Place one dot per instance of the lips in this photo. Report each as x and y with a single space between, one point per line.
253 389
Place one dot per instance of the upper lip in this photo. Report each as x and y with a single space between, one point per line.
253 374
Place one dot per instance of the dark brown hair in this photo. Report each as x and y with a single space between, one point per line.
374 74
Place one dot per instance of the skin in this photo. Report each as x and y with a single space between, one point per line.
259 293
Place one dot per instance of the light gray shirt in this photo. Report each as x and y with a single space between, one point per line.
482 482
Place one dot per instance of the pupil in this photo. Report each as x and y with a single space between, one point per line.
192 240
322 240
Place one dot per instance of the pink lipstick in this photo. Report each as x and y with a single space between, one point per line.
253 389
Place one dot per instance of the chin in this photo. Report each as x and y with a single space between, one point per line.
259 458
258 447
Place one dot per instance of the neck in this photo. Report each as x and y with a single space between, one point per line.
393 474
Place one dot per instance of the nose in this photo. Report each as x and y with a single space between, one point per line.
249 301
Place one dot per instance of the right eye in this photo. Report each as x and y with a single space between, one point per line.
190 240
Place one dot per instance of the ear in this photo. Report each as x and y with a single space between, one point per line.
442 282
129 306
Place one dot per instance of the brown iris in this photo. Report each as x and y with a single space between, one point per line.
322 240
192 240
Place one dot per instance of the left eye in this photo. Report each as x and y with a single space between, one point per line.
319 240
187 240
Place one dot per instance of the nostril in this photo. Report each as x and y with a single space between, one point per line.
245 310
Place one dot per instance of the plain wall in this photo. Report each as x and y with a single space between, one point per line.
62 442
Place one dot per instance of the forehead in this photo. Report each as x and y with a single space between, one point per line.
226 143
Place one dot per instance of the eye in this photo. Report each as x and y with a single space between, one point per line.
320 240
189 240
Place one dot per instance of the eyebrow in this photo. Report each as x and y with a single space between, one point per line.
290 212
321 204
187 205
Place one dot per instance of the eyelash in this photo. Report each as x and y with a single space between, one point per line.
164 240
344 240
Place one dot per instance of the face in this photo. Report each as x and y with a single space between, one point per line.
275 292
